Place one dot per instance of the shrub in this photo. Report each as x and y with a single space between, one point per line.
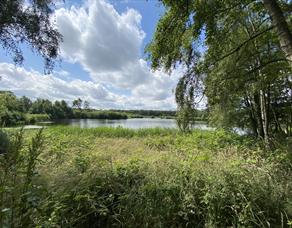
9 118
4 142
19 193
148 178
35 118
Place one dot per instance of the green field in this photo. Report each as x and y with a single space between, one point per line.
146 178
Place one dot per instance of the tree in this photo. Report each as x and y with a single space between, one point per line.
61 110
189 23
77 103
10 109
86 105
280 23
42 106
29 22
25 104
13 110
243 69
66 109
243 88
185 106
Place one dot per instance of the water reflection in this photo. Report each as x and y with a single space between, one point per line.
128 123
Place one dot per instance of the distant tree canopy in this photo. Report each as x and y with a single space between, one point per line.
56 110
22 110
244 69
29 22
14 110
77 103
86 105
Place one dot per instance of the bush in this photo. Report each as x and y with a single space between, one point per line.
150 178
10 118
20 195
4 142
35 118
132 195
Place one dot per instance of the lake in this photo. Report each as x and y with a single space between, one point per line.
125 123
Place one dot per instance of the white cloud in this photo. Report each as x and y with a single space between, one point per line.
107 45
35 85
99 38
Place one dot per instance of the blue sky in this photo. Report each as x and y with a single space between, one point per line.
102 58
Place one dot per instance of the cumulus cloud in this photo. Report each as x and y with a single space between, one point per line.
100 39
107 44
35 85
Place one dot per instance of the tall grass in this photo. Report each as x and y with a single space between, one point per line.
19 195
156 178
110 132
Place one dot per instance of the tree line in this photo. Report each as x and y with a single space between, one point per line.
237 54
148 113
22 110
14 110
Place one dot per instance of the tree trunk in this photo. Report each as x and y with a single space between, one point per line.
252 116
264 117
278 127
257 109
279 21
254 125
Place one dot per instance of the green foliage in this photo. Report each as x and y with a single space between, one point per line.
9 118
4 142
235 84
17 111
230 54
42 106
77 103
185 102
61 110
155 178
91 114
86 105
108 132
187 25
25 104
56 110
148 113
29 22
35 118
185 118
19 193
10 110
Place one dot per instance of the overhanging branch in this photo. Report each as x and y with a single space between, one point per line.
231 52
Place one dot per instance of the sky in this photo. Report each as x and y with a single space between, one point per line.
102 58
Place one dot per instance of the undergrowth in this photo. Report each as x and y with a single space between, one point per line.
147 178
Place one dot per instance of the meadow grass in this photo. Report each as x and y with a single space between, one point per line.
107 177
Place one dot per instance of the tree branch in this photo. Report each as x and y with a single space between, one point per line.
231 52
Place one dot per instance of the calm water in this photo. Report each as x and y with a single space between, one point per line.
128 123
